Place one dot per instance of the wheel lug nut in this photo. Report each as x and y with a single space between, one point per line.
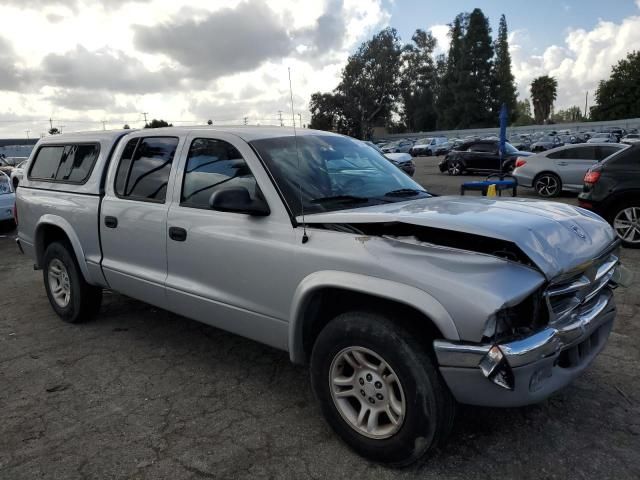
378 385
371 400
369 377
362 393
361 381
379 396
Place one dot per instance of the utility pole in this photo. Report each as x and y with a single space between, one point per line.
145 117
586 97
300 118
61 127
104 122
280 117
50 123
246 120
27 132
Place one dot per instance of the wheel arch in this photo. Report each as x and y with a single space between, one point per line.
51 228
323 295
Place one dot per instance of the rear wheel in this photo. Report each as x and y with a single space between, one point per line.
548 185
625 220
72 298
379 390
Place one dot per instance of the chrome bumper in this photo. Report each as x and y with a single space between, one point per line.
536 362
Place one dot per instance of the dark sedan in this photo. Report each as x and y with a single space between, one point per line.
480 156
612 189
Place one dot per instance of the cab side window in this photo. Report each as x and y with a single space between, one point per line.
65 163
212 165
144 168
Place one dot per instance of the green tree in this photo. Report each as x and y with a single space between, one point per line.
325 111
544 91
473 92
370 82
523 113
126 126
54 131
504 87
447 108
418 83
157 124
619 96
571 114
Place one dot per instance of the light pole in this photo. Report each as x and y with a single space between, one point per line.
27 132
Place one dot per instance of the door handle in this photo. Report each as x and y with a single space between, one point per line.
178 234
563 164
110 222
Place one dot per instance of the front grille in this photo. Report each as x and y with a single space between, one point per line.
577 291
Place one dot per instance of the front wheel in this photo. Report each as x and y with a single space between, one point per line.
625 220
379 390
548 185
455 167
72 298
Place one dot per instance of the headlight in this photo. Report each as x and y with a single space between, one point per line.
512 322
5 186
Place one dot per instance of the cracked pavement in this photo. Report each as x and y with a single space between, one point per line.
144 394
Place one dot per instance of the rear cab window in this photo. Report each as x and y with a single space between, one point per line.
144 168
68 163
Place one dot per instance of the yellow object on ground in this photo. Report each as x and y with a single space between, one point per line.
491 191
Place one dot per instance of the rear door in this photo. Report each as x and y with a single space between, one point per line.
133 218
484 156
573 163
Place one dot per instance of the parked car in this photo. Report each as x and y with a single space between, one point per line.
7 198
7 164
446 147
480 156
401 302
427 146
631 138
403 161
17 174
612 189
561 169
546 142
521 142
400 146
603 138
617 132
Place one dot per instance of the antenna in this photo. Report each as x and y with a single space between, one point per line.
305 237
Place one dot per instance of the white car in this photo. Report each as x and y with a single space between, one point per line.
17 174
631 138
7 198
603 138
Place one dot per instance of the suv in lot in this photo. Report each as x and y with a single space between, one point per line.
401 302
612 189
480 156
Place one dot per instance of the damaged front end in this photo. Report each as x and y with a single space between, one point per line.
531 350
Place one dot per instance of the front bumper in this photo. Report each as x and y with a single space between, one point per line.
541 363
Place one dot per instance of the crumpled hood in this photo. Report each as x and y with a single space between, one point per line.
556 237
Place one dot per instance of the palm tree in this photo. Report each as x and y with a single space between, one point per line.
543 93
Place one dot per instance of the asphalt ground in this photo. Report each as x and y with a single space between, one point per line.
144 394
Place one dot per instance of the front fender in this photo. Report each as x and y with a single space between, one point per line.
411 296
65 226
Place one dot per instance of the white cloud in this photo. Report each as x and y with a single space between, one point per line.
585 58
315 41
441 33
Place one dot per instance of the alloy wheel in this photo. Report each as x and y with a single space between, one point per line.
547 186
367 392
59 283
627 224
455 168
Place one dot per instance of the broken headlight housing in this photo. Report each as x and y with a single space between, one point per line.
510 323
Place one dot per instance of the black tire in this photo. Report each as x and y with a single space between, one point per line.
430 408
84 299
455 167
629 238
547 185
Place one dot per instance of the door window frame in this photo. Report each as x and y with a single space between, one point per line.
64 146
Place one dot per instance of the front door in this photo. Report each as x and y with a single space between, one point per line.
133 219
230 270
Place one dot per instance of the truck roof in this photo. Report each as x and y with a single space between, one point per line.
247 133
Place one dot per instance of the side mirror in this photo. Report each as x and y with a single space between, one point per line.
238 200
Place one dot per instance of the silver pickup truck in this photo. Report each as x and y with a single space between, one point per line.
402 302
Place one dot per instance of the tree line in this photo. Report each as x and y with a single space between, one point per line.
407 88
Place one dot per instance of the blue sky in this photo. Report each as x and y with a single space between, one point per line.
546 22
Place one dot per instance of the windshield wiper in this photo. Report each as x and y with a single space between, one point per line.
404 192
340 199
